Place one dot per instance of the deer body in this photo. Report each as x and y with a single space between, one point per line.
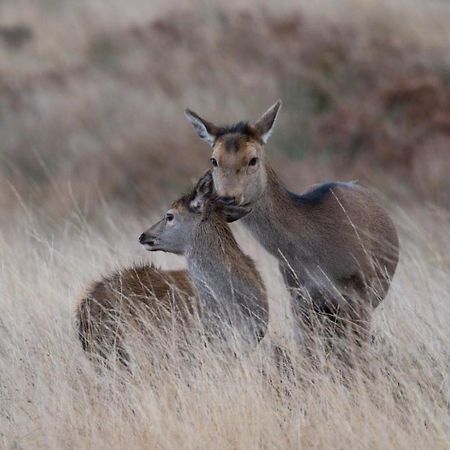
137 298
333 239
337 247
221 284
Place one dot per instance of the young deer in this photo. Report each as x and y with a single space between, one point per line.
221 284
337 247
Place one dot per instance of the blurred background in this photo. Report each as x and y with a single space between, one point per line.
92 95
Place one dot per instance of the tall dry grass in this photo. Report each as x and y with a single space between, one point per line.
92 138
51 396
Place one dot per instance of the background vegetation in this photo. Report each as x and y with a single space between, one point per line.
94 144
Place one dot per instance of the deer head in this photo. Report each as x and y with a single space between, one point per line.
174 232
237 158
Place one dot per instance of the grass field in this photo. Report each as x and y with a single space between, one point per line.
51 396
94 144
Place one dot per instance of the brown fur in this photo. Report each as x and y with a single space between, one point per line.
345 233
337 247
221 284
135 297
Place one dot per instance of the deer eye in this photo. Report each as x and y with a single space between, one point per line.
214 162
253 161
169 217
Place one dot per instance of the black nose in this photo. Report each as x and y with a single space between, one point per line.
228 200
142 238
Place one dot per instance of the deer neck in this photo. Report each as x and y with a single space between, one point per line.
274 214
223 275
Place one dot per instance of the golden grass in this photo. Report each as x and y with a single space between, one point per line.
94 116
52 397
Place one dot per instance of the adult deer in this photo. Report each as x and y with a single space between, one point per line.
221 284
337 247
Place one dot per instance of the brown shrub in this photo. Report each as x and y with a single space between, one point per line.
363 99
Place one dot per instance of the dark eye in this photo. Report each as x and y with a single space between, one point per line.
214 162
253 162
169 217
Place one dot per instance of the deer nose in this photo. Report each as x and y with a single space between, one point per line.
142 238
147 238
228 200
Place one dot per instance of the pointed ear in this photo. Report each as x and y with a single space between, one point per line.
264 125
205 185
202 192
206 130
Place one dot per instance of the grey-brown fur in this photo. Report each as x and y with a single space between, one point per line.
229 286
221 283
337 247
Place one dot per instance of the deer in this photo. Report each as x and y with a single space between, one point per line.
221 283
337 247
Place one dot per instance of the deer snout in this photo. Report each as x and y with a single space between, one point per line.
147 239
229 201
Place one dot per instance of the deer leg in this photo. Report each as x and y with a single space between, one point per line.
333 324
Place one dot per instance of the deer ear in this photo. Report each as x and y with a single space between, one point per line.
264 125
205 185
206 130
202 192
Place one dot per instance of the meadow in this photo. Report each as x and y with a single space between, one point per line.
52 396
93 148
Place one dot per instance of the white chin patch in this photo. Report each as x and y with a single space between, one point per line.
147 247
